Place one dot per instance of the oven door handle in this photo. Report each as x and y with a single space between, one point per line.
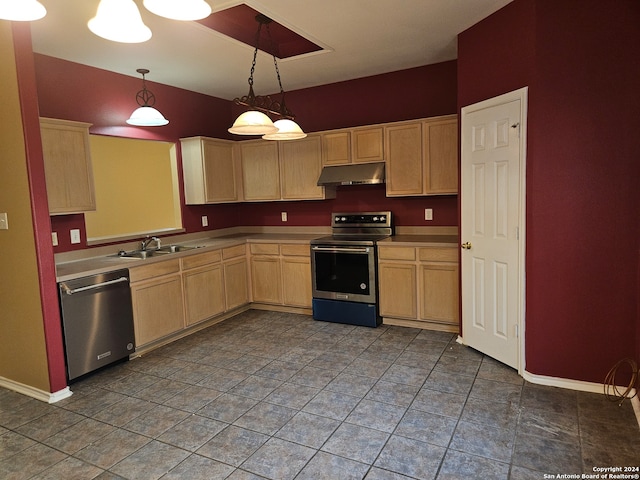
341 249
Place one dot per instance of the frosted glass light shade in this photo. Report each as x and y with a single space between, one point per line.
287 130
253 122
179 9
147 117
119 21
21 10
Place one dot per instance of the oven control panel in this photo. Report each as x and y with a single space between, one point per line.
361 219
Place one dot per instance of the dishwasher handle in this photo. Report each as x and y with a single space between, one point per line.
71 291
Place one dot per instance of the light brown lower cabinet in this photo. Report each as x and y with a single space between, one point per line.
203 284
236 276
156 295
281 274
296 275
418 286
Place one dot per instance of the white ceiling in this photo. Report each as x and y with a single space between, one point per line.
360 37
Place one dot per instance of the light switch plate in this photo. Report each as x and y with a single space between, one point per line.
284 216
205 221
75 235
54 238
4 221
428 214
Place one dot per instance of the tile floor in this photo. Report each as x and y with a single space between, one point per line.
280 396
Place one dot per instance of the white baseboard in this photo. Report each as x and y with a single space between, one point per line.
580 386
35 392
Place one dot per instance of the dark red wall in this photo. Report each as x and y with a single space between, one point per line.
579 60
105 99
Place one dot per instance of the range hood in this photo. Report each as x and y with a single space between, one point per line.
353 174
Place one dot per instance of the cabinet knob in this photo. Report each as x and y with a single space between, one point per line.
466 245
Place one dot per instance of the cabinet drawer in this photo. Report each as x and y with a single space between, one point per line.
264 249
232 252
154 270
194 261
298 250
438 254
396 253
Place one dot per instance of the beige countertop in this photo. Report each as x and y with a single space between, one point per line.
104 259
421 240
68 270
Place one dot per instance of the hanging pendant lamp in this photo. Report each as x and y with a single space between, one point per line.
255 121
119 21
146 115
21 10
179 10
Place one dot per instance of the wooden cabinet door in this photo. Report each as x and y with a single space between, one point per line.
300 167
236 283
157 308
440 150
260 170
219 171
67 166
439 292
403 146
336 148
266 278
367 145
296 281
398 289
204 295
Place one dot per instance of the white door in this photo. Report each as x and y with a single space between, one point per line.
492 226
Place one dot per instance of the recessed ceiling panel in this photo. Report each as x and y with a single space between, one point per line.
240 23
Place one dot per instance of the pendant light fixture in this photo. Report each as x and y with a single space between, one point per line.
255 121
146 115
179 10
119 21
21 10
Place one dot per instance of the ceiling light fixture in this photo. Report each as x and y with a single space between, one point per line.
255 121
21 10
119 21
182 10
146 115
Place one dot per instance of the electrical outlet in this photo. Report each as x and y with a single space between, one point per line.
54 238
284 216
4 222
428 214
75 235
205 221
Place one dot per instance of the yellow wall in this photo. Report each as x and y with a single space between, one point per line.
133 184
22 344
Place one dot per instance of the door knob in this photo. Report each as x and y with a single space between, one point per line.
466 245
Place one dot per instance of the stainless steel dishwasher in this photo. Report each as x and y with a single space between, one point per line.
97 321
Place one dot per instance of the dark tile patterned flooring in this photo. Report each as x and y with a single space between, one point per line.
280 396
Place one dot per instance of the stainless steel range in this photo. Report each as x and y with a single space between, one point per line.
344 268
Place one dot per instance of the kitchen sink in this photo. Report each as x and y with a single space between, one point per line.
142 254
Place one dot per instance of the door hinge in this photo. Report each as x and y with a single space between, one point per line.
516 331
517 233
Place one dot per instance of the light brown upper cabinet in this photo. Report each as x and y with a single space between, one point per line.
422 157
300 167
286 170
336 147
440 152
367 145
67 166
211 171
355 145
260 170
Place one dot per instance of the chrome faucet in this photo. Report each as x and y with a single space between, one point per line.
148 240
